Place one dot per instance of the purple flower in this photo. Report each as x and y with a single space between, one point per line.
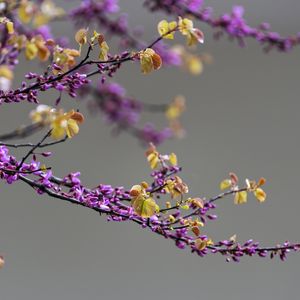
4 157
45 179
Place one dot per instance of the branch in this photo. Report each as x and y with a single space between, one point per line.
111 201
33 145
46 82
38 145
233 24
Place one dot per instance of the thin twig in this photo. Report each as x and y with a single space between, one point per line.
32 145
33 148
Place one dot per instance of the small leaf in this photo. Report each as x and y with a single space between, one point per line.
31 51
78 117
153 160
25 12
6 72
196 230
144 207
165 29
240 197
81 36
200 244
261 181
225 184
2 262
234 178
72 128
156 60
173 159
171 218
43 168
135 190
103 55
10 27
198 202
260 195
194 65
185 207
233 238
149 60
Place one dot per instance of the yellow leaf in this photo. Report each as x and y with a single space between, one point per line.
168 204
42 113
209 242
57 132
173 159
25 12
72 128
260 195
172 112
31 51
165 29
10 27
40 19
43 167
81 36
103 51
176 187
194 65
225 184
185 25
200 244
240 197
144 207
6 72
193 35
146 64
176 108
198 202
171 218
144 184
43 51
185 207
47 11
153 160
149 61
172 25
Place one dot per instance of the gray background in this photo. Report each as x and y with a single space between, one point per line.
243 116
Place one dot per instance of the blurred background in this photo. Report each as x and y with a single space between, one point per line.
242 116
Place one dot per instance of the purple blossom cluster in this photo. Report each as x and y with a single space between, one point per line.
29 93
9 56
125 112
92 11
